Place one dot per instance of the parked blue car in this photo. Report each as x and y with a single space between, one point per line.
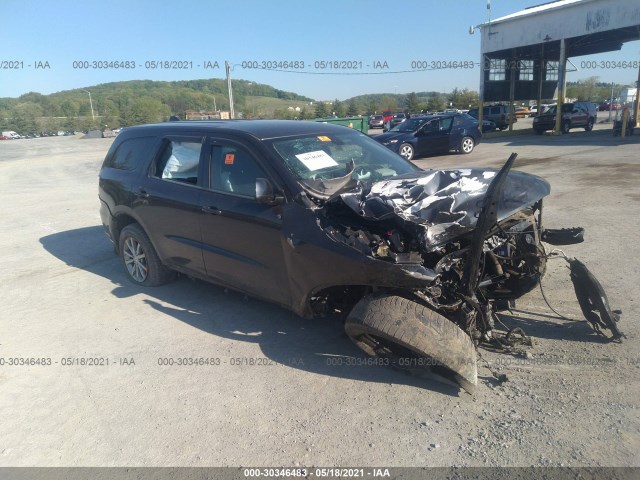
424 135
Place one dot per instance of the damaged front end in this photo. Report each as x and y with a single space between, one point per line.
472 239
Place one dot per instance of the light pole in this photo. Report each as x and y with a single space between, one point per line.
93 117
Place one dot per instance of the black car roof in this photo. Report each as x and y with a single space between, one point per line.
261 129
434 115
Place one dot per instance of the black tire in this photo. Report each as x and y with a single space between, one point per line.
406 150
140 260
466 145
539 131
566 127
589 126
413 337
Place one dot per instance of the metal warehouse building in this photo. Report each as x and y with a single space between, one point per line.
524 55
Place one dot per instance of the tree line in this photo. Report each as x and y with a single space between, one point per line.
122 104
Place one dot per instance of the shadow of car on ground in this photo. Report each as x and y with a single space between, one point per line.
319 346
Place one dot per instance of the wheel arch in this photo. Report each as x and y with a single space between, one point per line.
121 220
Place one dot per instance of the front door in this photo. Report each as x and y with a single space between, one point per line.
434 136
241 239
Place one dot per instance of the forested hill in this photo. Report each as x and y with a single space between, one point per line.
141 101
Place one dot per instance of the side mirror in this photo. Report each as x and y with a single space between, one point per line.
265 194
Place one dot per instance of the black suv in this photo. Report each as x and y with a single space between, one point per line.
322 219
498 114
574 115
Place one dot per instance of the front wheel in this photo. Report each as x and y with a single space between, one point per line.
566 126
412 337
140 260
466 145
589 126
406 150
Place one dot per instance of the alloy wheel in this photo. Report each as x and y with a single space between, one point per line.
135 260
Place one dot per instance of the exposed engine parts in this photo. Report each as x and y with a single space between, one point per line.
474 238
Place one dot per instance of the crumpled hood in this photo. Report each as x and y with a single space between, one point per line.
445 203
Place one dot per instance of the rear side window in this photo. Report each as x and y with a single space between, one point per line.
445 124
132 153
179 161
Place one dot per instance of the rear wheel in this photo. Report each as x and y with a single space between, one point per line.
140 260
466 145
566 126
413 337
406 150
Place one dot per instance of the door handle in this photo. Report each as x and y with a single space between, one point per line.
211 210
293 241
142 193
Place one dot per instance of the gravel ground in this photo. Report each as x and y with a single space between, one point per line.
289 391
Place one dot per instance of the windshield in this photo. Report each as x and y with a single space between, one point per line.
566 108
316 160
410 125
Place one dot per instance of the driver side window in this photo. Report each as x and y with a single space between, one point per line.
433 127
234 171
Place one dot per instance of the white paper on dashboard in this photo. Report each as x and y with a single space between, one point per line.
316 160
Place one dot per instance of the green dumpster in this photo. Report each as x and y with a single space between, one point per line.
357 123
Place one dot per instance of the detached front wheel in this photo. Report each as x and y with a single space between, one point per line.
413 337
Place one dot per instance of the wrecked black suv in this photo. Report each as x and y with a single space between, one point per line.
321 219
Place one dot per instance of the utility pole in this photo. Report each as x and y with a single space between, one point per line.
232 114
93 117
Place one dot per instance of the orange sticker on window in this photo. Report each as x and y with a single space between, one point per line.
229 158
322 138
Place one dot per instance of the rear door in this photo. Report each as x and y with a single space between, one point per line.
457 131
580 117
241 239
166 202
435 136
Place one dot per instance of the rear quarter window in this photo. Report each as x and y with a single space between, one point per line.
132 153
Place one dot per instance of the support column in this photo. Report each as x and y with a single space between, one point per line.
512 88
540 79
562 77
483 65
636 109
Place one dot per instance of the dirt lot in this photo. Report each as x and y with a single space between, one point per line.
272 393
